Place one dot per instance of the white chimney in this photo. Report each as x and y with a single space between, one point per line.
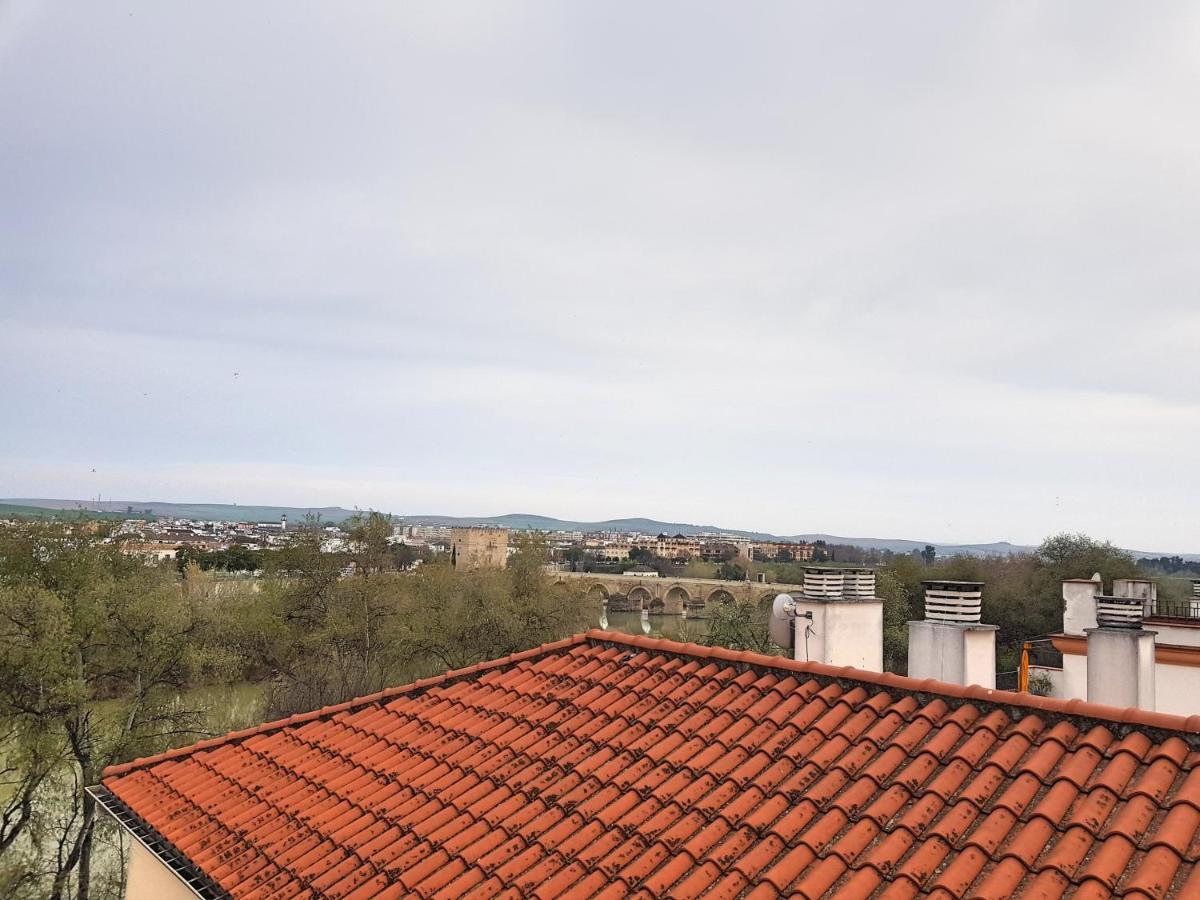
1120 654
951 644
838 619
1141 588
1079 603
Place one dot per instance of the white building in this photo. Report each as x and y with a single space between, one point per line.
1126 648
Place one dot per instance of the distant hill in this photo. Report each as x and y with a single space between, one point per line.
229 512
523 521
221 512
653 526
20 511
896 545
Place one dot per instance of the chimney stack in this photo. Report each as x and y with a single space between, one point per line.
951 644
1120 653
1141 589
838 619
1079 603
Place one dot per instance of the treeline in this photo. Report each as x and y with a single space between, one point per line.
783 567
100 655
1170 565
1022 595
242 559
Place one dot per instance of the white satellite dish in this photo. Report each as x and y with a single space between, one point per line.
783 614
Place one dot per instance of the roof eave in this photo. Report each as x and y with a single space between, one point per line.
189 875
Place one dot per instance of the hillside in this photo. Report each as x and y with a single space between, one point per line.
20 511
229 512
547 523
223 512
654 526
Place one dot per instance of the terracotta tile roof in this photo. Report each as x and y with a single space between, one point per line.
609 766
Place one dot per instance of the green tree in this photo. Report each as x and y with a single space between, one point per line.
1079 556
896 595
369 538
79 622
405 556
642 556
740 624
458 618
695 568
731 572
574 556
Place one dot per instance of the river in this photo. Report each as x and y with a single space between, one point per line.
677 628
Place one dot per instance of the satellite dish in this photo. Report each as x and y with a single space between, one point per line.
783 614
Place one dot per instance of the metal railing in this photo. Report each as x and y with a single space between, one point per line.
1176 609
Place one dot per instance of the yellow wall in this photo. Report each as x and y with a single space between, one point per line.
150 879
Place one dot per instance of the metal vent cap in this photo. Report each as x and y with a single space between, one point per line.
958 602
1119 612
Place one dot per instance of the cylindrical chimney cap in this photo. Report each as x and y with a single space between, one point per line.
958 602
1119 612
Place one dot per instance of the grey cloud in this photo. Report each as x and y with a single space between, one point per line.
801 267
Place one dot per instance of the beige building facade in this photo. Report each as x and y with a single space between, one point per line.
149 878
474 548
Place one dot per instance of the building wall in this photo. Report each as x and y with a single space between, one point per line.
959 654
855 635
1177 686
979 667
150 879
1185 635
843 633
479 547
1177 689
1079 605
1074 681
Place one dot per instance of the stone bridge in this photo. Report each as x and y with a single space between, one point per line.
673 596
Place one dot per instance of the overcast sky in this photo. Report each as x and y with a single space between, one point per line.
896 270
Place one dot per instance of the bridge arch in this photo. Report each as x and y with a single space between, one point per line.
765 600
639 598
597 591
719 595
676 599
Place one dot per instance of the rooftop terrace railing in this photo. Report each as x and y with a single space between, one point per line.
1176 609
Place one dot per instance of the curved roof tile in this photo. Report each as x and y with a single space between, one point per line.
606 765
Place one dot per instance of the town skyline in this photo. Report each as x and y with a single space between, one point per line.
539 521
